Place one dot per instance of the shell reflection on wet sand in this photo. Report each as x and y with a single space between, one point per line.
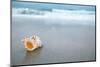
31 56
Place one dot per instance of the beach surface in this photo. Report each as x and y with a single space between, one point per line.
65 42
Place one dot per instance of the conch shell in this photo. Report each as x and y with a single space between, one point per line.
32 42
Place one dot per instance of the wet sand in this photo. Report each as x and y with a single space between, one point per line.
68 43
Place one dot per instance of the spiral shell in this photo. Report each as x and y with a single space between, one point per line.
32 43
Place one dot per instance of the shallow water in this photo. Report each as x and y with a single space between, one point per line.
61 43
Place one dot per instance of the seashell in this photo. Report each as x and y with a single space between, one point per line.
32 43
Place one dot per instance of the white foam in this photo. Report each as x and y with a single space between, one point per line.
58 16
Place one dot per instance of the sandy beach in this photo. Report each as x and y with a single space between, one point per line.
61 43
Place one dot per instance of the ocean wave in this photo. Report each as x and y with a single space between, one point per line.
56 16
42 12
